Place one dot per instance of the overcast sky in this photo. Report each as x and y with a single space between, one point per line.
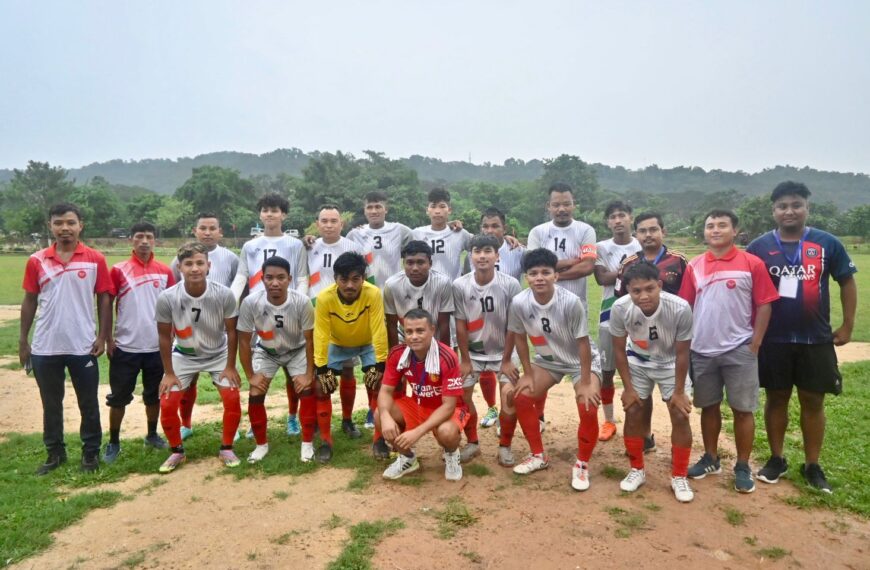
731 85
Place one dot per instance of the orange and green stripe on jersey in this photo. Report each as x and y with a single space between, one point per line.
475 344
542 348
606 304
474 326
183 340
314 279
255 279
638 349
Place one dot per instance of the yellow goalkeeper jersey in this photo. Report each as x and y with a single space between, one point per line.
357 324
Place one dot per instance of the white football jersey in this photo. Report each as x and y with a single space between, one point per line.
484 308
321 256
575 241
280 329
385 245
553 329
447 247
651 339
610 255
256 251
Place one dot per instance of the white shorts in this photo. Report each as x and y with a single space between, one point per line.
187 369
558 371
268 365
479 366
644 380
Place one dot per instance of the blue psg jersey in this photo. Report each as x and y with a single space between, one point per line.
801 271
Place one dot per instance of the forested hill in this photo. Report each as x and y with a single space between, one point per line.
165 175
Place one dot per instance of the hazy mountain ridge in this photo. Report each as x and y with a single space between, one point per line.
166 175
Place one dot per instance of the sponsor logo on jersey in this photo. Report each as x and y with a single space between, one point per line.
812 252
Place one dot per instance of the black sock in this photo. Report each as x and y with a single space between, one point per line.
179 449
152 428
226 447
115 435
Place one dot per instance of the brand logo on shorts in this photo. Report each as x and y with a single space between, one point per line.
731 284
82 274
812 252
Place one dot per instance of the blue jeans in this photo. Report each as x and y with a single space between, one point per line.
50 377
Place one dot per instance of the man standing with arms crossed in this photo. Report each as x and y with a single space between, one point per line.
137 282
731 296
798 349
63 280
610 255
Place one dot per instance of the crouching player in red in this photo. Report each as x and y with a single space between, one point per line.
435 405
201 315
658 329
554 320
284 322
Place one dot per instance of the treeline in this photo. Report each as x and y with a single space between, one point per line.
344 179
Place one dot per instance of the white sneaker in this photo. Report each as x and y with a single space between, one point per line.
682 490
580 476
401 467
469 452
452 467
506 457
633 481
259 453
531 464
307 451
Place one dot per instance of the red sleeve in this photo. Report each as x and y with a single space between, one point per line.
451 379
104 281
392 374
170 277
31 276
115 274
763 290
687 285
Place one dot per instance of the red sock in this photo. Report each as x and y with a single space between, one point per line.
527 415
188 399
540 403
169 419
634 448
308 416
607 395
347 391
292 398
508 426
679 461
324 418
471 427
259 420
488 382
587 431
373 399
232 414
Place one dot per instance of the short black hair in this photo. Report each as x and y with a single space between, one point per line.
615 206
481 241
644 216
328 207
641 270
142 227
560 187
494 213
539 258
790 188
376 196
722 213
416 246
418 313
190 249
201 215
63 208
279 262
273 200
438 195
349 262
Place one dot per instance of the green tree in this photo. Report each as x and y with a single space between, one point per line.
755 216
571 170
31 193
101 208
144 207
174 217
858 221
216 189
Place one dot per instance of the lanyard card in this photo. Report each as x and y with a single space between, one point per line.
788 287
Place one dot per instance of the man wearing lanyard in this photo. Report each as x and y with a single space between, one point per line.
798 349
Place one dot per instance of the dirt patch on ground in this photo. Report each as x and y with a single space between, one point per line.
853 352
198 516
9 313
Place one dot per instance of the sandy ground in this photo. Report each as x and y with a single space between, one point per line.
198 517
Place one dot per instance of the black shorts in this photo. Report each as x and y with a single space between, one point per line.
810 367
124 368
